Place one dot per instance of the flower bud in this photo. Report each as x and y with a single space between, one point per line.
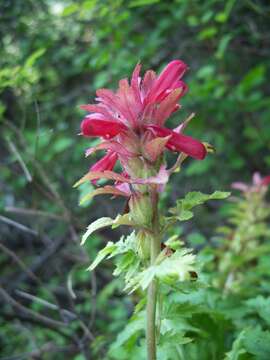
141 209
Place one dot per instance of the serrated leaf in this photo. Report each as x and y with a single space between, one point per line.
192 199
237 348
177 266
109 248
185 215
195 198
96 225
261 305
135 326
128 263
122 220
104 222
257 342
170 343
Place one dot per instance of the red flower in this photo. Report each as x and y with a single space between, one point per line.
131 120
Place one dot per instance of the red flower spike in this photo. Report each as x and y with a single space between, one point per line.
181 143
131 120
258 184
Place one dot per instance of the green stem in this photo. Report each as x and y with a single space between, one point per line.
152 289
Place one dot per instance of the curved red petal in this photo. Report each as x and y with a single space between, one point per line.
107 162
181 143
103 128
168 79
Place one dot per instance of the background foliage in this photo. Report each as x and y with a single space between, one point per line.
53 56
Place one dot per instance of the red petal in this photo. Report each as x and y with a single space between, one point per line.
129 104
266 180
167 79
167 106
98 109
180 142
104 128
106 163
148 81
135 83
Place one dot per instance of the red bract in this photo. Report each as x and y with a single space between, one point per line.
181 143
131 120
105 163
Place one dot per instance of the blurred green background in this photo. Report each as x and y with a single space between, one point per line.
53 56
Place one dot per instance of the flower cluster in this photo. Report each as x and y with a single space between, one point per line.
131 125
258 184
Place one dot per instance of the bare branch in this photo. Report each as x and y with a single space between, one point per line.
18 225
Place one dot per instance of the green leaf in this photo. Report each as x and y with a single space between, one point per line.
104 222
261 305
195 198
70 9
109 248
33 58
136 3
257 342
222 46
133 328
253 78
252 341
207 33
96 225
170 345
175 267
192 199
237 347
185 215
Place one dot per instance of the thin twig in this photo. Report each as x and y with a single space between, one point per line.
45 303
17 155
33 212
18 225
41 318
19 262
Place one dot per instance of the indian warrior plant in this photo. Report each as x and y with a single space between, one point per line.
131 126
243 241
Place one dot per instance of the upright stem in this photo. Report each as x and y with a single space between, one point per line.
152 289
